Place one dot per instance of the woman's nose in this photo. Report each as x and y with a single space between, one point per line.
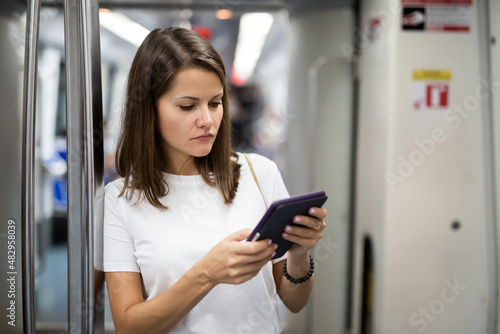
205 118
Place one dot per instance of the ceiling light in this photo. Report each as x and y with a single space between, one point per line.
254 28
224 14
122 26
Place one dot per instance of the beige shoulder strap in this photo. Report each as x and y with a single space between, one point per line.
255 177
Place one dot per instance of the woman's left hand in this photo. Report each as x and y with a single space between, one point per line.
308 232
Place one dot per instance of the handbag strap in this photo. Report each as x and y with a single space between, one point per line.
255 178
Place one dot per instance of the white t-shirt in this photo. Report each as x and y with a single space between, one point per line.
163 245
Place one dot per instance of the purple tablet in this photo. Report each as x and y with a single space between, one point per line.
280 214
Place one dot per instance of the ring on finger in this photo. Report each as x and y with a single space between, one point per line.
319 225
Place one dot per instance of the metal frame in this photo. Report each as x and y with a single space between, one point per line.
29 126
235 5
85 165
94 148
312 75
491 168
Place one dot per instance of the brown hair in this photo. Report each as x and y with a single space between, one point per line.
139 155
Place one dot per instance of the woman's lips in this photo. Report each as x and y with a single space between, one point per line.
204 137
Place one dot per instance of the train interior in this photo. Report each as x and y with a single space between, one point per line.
390 106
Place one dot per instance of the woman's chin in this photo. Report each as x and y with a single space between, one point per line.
202 153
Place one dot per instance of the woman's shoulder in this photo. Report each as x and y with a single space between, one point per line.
114 188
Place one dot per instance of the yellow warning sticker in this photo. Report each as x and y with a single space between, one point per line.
432 75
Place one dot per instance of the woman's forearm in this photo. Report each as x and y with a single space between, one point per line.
162 313
295 296
229 262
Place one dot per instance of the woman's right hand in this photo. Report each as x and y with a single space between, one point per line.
234 262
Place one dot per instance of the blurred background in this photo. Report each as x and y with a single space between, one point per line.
390 106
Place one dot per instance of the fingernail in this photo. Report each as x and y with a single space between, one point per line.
285 235
312 211
288 228
273 254
269 241
275 246
296 219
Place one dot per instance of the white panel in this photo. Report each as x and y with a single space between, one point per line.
314 36
417 253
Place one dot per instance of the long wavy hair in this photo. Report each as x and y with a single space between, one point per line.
139 156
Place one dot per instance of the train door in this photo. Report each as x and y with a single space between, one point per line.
41 172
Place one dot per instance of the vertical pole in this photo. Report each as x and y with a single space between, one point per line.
85 166
94 163
77 214
28 226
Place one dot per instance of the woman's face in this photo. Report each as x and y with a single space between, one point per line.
189 116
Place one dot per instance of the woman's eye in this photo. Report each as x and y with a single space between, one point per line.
187 108
215 104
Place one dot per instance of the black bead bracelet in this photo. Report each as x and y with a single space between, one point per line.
303 279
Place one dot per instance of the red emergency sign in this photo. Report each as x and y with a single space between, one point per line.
437 95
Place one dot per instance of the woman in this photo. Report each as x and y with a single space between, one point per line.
174 222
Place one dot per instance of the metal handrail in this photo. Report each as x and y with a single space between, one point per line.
29 113
94 162
313 76
76 207
85 164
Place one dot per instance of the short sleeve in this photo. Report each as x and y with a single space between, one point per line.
119 252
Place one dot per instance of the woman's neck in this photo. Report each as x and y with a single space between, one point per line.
187 167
